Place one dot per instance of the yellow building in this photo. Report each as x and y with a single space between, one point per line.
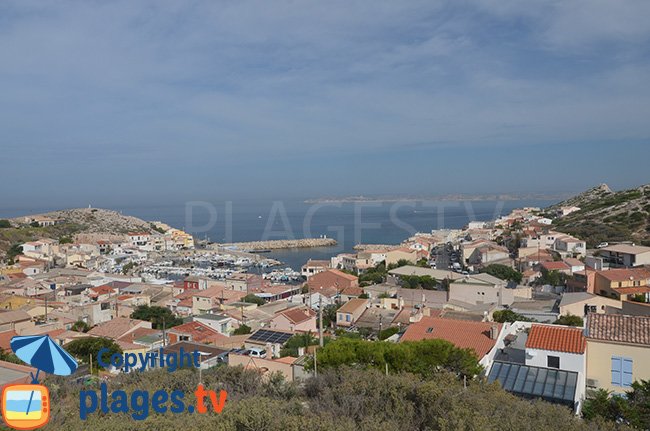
618 351
622 283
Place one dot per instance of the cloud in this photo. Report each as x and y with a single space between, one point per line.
114 83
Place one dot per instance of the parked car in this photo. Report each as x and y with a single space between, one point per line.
602 245
256 352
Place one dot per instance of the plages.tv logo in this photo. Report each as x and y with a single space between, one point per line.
27 406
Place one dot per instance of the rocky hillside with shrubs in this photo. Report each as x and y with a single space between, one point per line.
607 216
73 222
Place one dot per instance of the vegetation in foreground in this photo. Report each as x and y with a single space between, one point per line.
337 400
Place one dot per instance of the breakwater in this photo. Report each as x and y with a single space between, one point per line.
279 244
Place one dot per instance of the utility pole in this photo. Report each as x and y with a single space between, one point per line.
320 321
164 340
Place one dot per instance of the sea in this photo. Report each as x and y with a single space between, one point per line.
350 223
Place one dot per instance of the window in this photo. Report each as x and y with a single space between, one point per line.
553 361
347 317
622 371
340 316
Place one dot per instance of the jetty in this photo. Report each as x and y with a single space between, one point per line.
261 246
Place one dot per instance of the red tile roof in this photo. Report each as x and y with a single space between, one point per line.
624 274
555 266
556 338
199 332
619 328
103 290
462 333
298 315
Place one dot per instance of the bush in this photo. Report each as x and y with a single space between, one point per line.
569 320
419 357
242 330
251 298
4 224
158 316
85 348
80 326
502 316
503 272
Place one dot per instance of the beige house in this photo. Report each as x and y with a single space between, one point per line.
623 283
402 253
295 319
350 312
618 351
582 303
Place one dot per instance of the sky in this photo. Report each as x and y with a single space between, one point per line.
149 102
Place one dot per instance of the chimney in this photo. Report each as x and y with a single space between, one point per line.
269 351
494 332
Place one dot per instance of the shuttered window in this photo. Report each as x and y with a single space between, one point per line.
622 371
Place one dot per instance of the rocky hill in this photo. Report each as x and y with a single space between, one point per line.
97 220
608 216
73 222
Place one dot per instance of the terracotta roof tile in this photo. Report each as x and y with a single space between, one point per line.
298 315
556 338
462 333
619 328
624 274
555 266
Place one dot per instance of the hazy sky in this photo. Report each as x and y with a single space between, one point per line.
138 102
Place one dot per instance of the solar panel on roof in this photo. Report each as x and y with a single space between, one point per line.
267 336
535 382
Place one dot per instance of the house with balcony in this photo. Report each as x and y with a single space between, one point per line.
625 255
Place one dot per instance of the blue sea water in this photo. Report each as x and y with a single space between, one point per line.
349 223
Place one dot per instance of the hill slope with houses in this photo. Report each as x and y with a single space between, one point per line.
607 216
66 224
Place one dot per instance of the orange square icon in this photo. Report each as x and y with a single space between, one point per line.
25 407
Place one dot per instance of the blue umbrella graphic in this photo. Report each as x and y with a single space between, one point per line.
42 353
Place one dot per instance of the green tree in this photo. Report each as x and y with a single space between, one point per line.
4 224
242 330
503 272
295 342
14 251
128 267
85 348
502 316
65 240
400 263
158 316
329 315
251 298
9 356
569 320
388 332
419 357
80 326
637 405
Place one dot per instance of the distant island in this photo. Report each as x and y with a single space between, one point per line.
445 197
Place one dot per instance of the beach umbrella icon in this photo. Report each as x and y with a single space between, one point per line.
42 353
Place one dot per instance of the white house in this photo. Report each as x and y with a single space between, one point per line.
541 361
